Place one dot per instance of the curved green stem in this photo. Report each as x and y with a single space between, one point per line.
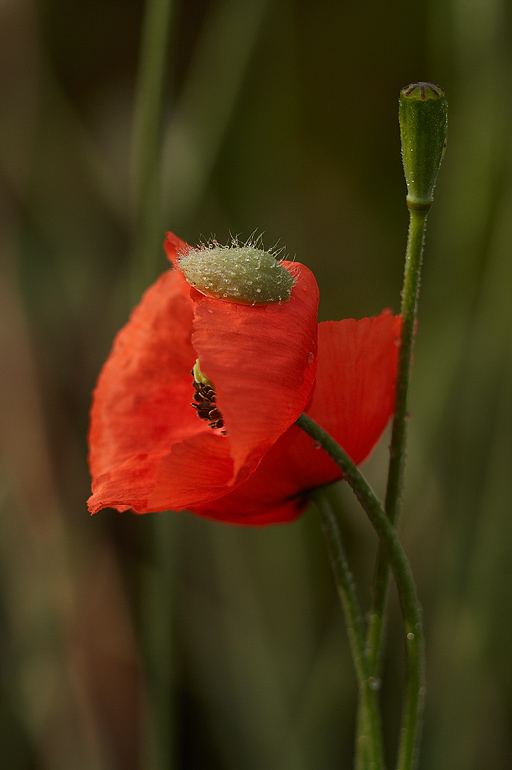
413 631
370 741
413 257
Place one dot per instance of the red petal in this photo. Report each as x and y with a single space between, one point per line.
141 404
358 393
196 470
133 407
175 248
353 401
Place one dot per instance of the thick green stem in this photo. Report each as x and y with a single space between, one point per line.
413 631
399 432
370 739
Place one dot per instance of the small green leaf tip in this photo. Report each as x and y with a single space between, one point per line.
423 115
243 274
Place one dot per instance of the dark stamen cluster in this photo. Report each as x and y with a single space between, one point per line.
205 406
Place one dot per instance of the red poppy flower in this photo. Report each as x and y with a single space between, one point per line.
148 449
150 452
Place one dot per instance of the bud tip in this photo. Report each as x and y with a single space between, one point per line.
422 91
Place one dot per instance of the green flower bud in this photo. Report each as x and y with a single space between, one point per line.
242 274
423 115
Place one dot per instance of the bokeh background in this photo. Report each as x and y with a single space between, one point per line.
168 642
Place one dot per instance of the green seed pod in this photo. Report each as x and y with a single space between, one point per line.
423 115
242 274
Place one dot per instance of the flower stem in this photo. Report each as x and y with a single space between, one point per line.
423 118
410 293
417 222
370 739
413 631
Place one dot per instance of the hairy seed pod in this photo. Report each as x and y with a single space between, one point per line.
242 274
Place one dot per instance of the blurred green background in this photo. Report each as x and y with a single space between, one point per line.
166 641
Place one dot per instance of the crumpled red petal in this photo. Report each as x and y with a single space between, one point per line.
353 401
148 449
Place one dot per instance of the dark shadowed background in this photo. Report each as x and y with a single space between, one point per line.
166 642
